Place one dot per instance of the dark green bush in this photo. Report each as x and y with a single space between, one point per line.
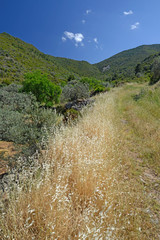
155 71
71 77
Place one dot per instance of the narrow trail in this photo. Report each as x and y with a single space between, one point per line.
140 126
91 186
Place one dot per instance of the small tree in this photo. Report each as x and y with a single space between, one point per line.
155 71
44 90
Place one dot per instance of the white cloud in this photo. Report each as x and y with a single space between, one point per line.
77 37
69 35
83 21
134 26
64 39
95 40
128 13
88 11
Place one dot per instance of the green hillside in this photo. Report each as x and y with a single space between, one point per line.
82 68
146 65
18 57
124 63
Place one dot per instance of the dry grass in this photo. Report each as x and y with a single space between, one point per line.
87 189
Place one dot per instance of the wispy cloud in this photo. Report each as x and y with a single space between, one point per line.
128 13
134 26
83 21
88 11
64 39
69 35
76 37
95 40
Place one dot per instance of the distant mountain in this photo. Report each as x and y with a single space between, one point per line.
124 63
18 57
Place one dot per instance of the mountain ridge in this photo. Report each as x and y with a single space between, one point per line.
123 59
18 57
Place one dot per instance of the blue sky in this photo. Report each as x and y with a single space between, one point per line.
90 30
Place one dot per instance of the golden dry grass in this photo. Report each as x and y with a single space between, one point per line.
87 189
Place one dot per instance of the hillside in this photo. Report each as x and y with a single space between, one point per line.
146 65
18 57
124 63
82 68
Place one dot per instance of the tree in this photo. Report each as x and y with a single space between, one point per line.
138 68
44 90
155 71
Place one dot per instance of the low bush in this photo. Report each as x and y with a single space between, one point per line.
75 90
97 90
93 83
22 120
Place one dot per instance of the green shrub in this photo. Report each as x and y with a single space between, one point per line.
93 83
44 90
71 77
155 71
95 86
99 89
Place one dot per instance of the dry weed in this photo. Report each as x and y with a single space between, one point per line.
86 189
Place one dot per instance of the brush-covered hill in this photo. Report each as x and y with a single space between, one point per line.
145 67
18 57
124 63
82 68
